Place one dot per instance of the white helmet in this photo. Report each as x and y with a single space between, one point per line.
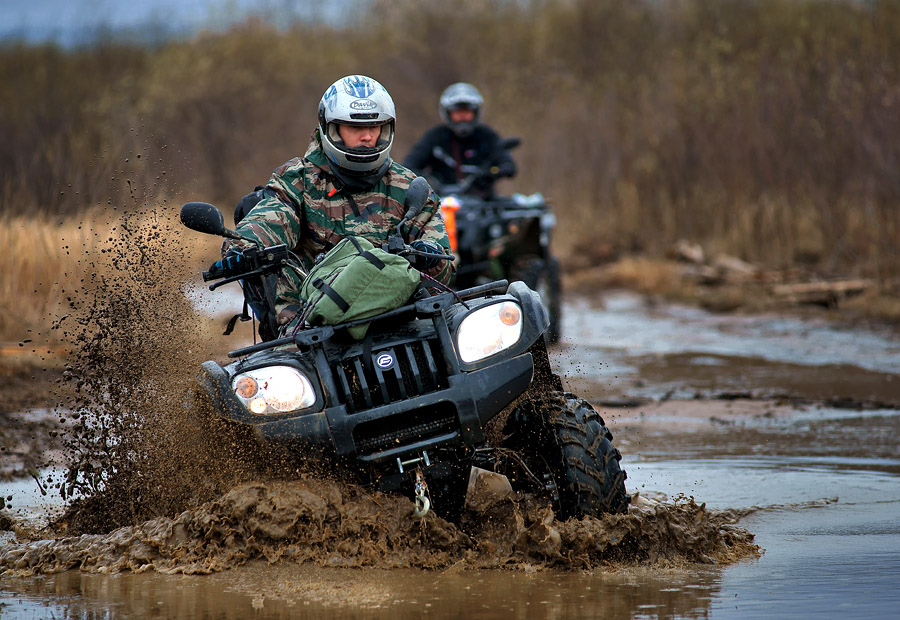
357 100
461 95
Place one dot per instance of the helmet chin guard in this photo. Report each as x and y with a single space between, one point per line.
361 101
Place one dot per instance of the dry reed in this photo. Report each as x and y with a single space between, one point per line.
53 261
46 263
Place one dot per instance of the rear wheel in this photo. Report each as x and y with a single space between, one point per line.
568 452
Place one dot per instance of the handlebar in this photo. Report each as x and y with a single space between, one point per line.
254 261
396 245
256 266
473 172
261 261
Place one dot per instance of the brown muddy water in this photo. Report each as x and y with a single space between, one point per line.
731 427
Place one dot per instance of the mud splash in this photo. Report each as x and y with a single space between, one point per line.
156 483
132 447
336 525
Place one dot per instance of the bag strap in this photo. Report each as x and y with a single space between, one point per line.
352 203
379 264
339 301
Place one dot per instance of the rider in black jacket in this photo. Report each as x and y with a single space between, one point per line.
444 151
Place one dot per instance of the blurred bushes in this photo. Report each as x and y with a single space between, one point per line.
765 129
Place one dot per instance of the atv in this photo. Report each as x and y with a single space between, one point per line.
504 237
449 381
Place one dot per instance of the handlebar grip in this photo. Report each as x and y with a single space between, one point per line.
212 274
268 260
217 271
413 252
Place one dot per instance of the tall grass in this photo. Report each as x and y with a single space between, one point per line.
47 263
54 265
765 129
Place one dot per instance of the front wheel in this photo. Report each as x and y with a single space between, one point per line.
448 494
566 445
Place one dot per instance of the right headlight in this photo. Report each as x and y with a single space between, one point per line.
489 330
273 390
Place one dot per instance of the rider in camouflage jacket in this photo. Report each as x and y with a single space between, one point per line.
313 202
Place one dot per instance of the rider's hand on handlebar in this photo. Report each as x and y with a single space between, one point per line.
505 169
232 264
429 247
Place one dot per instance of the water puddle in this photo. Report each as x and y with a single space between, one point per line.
278 592
625 348
625 321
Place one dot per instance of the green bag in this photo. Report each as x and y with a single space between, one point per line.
356 280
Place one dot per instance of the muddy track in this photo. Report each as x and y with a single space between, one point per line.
337 525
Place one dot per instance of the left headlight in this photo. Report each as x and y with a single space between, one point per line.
489 330
273 390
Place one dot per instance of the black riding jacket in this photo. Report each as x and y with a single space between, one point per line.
439 153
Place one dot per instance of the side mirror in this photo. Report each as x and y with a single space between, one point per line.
416 197
203 217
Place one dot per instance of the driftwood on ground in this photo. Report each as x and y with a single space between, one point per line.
783 284
824 293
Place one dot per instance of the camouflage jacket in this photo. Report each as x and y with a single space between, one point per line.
310 214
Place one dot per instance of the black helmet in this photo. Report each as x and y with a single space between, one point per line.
461 95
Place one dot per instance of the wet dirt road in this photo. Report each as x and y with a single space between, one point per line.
795 422
799 418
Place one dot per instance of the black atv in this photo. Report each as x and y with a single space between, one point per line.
448 381
502 237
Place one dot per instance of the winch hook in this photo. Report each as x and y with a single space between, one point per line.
422 503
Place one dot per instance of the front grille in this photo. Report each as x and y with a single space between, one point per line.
405 428
417 369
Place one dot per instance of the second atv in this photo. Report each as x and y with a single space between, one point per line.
504 237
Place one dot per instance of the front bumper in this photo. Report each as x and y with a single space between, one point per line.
451 417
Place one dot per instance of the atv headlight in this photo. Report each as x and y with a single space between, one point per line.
273 390
489 330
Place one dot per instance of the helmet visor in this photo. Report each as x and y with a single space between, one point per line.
350 136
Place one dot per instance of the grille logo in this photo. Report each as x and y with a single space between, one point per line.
384 360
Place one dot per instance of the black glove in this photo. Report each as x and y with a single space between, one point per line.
425 262
232 264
